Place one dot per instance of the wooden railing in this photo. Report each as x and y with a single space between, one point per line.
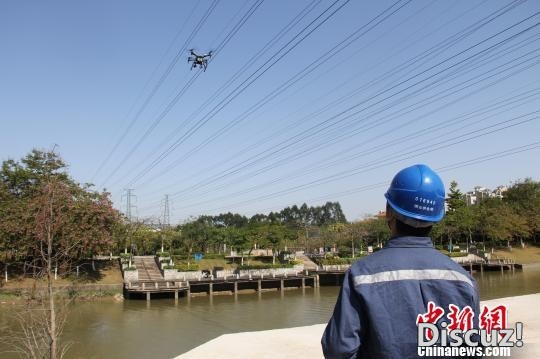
156 285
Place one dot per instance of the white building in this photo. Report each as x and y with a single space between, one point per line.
480 193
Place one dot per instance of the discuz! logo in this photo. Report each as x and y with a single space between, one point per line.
451 333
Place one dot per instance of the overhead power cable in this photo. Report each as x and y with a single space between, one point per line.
157 86
396 158
287 145
247 82
446 43
130 125
242 69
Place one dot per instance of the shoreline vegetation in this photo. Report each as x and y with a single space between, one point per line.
107 284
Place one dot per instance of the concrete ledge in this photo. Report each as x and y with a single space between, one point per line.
304 342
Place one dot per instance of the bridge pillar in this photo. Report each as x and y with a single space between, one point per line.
148 296
235 287
282 285
211 288
188 293
317 283
259 285
176 296
303 283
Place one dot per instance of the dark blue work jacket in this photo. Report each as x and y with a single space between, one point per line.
383 293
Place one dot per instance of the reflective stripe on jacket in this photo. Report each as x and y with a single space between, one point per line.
382 295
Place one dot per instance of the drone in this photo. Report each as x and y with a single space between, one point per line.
199 60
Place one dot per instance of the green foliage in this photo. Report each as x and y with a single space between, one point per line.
130 269
40 202
163 254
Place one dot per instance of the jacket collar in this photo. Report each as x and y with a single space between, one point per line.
409 242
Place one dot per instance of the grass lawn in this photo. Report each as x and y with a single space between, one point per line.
529 254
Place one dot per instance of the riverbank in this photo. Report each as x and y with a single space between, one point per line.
105 282
304 342
527 255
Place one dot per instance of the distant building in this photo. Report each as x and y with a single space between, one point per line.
480 193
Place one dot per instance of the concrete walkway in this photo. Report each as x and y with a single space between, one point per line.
304 342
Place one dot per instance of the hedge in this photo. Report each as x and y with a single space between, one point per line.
183 267
458 254
266 266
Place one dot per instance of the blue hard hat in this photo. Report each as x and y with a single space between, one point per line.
417 192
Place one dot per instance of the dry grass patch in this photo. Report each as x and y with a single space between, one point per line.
529 254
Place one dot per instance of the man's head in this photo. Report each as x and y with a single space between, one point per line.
415 201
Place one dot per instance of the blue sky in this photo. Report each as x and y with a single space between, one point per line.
76 74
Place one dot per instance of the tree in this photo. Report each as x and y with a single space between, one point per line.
524 197
500 223
54 221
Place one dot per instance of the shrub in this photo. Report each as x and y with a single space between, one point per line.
336 261
458 254
130 268
169 267
183 267
162 254
213 256
266 266
125 256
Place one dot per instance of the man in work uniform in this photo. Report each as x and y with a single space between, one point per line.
383 294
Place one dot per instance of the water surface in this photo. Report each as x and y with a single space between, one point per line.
163 329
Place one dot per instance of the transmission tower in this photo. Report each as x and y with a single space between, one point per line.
166 213
128 196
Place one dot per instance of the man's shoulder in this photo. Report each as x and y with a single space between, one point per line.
388 259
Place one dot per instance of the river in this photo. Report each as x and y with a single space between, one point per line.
163 329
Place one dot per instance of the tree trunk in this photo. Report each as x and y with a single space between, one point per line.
52 309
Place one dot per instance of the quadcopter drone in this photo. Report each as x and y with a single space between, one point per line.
199 60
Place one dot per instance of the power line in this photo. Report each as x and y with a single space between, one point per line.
132 122
454 39
287 145
246 83
248 64
157 86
